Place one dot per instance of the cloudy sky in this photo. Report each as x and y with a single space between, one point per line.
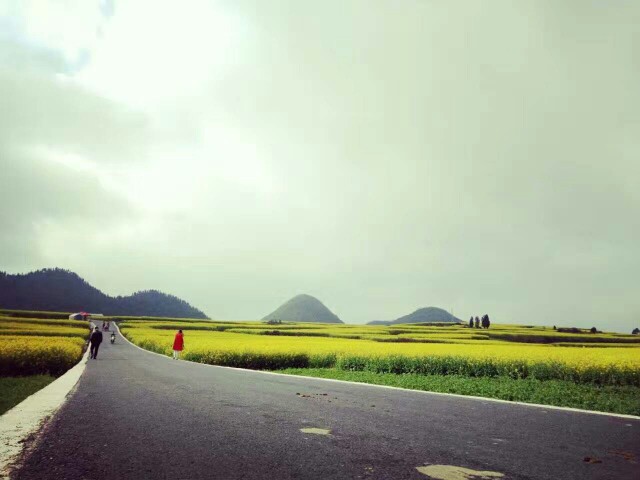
380 155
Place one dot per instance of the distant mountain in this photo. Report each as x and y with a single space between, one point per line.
422 315
379 322
304 308
55 289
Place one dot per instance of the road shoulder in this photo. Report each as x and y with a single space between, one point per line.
25 419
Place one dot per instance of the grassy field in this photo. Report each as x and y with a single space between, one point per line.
605 398
33 351
15 389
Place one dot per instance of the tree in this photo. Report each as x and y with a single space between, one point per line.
471 322
593 330
636 331
477 322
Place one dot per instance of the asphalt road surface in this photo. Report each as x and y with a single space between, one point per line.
135 415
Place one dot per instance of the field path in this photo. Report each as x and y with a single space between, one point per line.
135 415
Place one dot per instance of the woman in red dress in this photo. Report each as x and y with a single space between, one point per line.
178 345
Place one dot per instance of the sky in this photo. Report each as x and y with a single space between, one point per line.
382 156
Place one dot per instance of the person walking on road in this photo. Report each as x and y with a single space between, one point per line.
95 340
178 345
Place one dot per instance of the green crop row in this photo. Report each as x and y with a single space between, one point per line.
42 321
491 367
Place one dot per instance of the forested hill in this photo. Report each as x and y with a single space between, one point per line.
55 289
303 308
422 315
428 315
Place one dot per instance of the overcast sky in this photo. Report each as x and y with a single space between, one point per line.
384 155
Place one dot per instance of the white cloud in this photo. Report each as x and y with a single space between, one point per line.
383 157
69 28
155 54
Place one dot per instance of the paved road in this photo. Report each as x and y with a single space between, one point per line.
136 415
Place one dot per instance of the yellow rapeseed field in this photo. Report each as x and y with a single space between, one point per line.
34 346
25 328
473 352
27 355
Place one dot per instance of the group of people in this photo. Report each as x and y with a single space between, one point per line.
95 339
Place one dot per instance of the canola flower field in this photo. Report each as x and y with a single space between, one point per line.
30 346
510 351
533 364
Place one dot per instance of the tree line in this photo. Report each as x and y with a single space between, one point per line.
477 322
